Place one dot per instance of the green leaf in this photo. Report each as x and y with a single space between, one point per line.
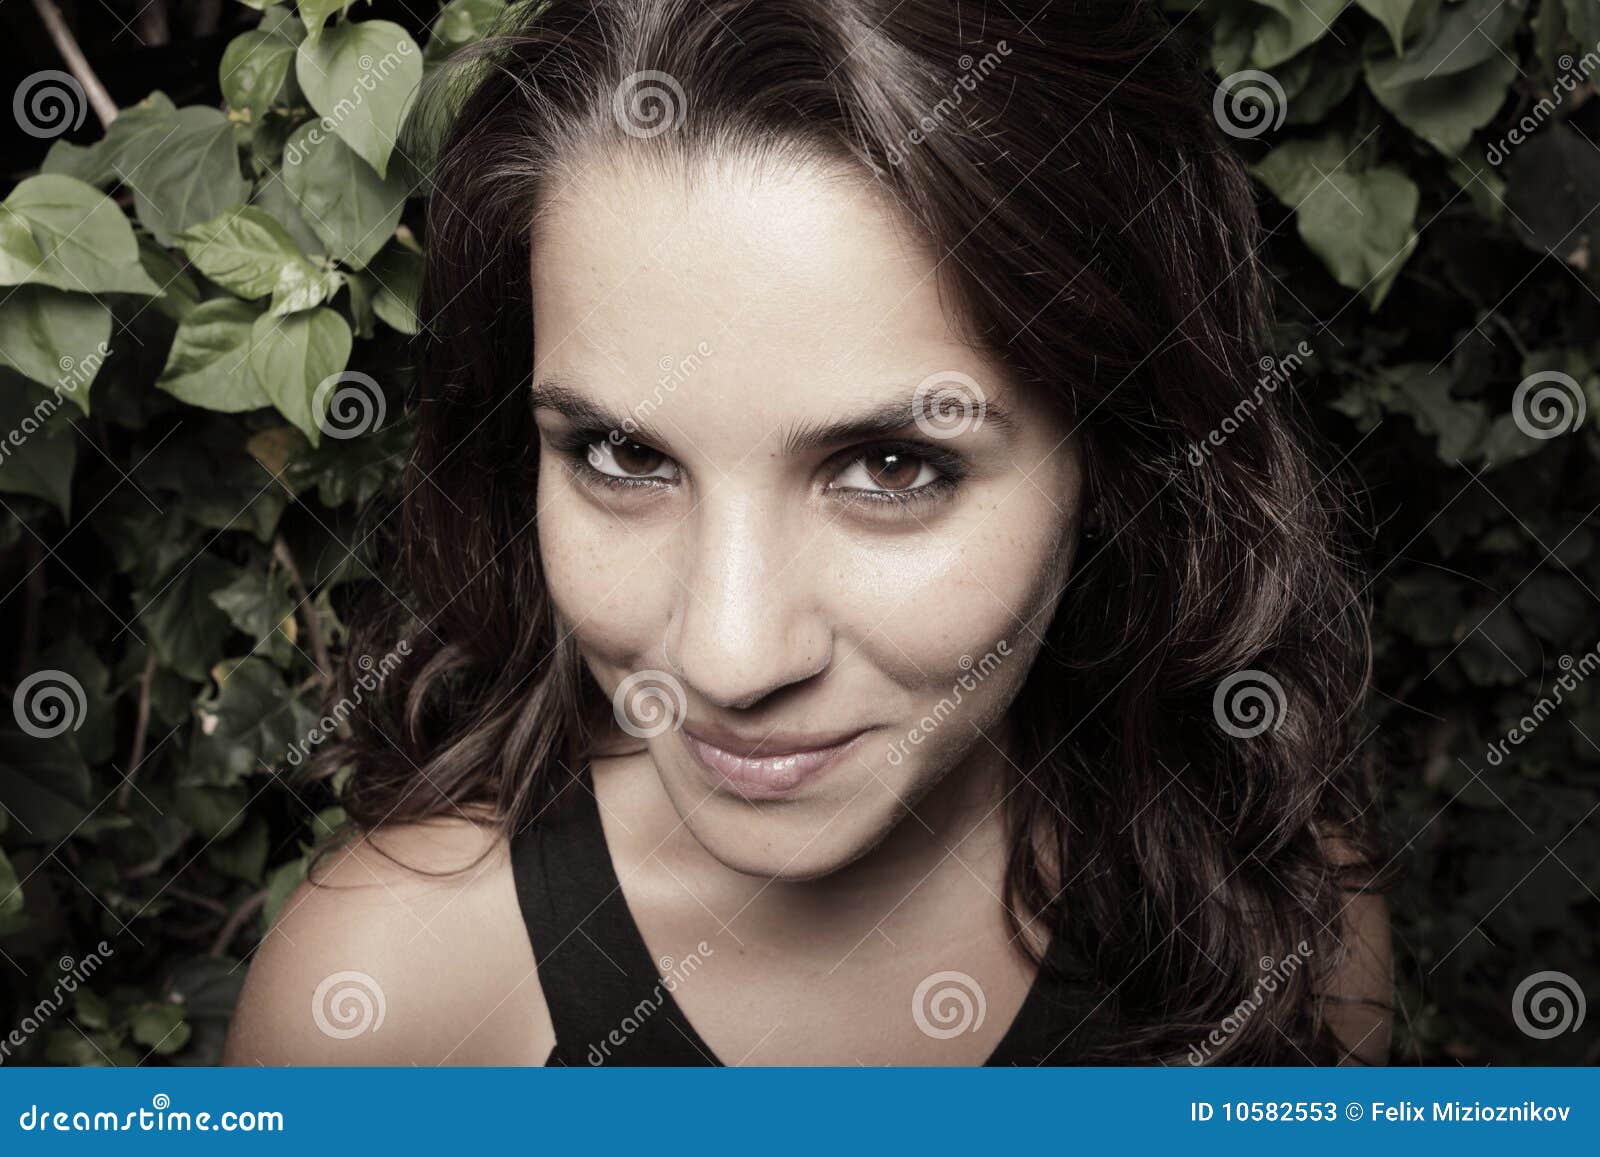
159 1026
253 69
459 23
1291 26
398 272
315 13
132 137
180 621
1470 33
243 855
1392 14
350 208
37 450
1359 222
84 242
1426 394
44 783
11 899
258 603
1556 608
274 196
249 725
1446 110
1583 21
58 339
293 355
183 168
247 251
209 362
361 77
20 258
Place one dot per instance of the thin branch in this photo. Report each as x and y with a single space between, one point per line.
141 732
313 622
241 916
67 44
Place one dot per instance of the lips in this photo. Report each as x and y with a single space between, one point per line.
770 768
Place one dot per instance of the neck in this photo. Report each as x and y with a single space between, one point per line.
923 881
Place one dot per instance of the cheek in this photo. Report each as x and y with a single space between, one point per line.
994 575
606 588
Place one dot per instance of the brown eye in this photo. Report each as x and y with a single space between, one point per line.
887 470
893 471
628 459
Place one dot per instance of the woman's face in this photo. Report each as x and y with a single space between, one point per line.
771 545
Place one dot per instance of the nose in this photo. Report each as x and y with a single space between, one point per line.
748 619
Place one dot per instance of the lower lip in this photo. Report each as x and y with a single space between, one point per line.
771 777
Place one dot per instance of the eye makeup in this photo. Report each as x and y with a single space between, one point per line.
935 471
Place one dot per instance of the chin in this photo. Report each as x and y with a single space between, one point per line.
802 838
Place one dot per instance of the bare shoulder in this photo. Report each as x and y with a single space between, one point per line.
406 947
1360 988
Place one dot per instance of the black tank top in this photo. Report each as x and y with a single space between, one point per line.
610 1005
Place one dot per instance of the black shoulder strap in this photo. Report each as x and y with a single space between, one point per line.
607 1002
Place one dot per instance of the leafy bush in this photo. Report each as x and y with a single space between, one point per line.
202 344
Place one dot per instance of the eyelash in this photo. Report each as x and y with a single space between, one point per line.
574 447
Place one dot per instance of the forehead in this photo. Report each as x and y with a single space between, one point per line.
805 286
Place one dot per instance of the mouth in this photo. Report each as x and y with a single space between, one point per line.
768 769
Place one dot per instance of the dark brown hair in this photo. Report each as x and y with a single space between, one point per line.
1097 237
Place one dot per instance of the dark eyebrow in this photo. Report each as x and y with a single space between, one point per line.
893 417
880 421
559 394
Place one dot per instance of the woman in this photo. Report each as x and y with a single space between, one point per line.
836 631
